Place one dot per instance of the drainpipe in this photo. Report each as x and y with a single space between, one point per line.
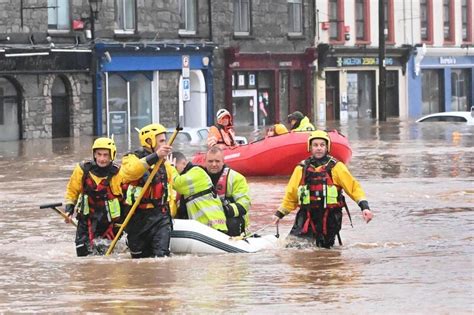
209 6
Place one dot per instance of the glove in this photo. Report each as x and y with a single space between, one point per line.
229 211
69 209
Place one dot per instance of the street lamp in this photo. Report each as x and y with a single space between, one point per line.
94 7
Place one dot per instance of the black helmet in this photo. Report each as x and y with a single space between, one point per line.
297 115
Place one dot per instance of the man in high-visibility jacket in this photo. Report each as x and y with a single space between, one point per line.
233 190
197 191
94 191
316 188
299 122
149 229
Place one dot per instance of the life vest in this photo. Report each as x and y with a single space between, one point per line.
221 185
98 197
226 137
156 196
321 203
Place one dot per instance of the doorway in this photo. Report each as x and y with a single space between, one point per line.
60 109
332 95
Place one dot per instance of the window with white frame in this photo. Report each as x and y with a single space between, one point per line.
187 14
58 15
295 17
125 16
242 17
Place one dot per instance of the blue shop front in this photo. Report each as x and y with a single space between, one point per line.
138 84
440 80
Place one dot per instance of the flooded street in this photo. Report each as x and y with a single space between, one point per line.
416 256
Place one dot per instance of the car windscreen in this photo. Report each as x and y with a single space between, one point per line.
445 118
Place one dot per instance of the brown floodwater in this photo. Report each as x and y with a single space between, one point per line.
416 256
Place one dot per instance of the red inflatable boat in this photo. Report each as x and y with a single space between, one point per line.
277 155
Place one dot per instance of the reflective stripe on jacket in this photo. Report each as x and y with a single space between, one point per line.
341 178
206 207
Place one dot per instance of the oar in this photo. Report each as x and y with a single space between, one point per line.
244 237
55 206
142 192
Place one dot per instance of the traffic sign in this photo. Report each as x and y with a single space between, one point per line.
186 90
185 66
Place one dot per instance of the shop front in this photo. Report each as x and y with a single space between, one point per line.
139 84
263 88
39 97
347 84
442 80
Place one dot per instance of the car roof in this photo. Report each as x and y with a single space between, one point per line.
464 114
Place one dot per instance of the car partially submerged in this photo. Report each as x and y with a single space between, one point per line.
197 136
458 117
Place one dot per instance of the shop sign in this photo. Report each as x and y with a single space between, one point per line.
117 122
285 63
361 61
52 61
186 90
447 60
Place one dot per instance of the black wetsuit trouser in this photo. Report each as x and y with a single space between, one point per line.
148 233
99 224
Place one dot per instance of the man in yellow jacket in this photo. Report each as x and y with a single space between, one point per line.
299 122
149 229
198 197
316 187
94 190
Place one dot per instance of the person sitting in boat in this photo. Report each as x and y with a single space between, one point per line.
198 198
232 188
149 229
276 130
316 188
94 190
222 133
299 122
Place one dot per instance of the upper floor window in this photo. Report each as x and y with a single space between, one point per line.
125 16
466 11
242 17
295 17
58 15
362 14
187 14
389 25
426 20
448 18
336 20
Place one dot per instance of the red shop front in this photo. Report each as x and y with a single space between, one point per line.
263 88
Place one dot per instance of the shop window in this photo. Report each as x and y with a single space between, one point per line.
336 21
460 83
448 24
242 10
466 15
389 24
58 15
118 105
431 92
295 17
188 15
362 14
125 16
140 101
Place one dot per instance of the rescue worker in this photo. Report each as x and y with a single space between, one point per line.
233 190
149 229
198 197
316 188
276 130
299 122
94 189
222 133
